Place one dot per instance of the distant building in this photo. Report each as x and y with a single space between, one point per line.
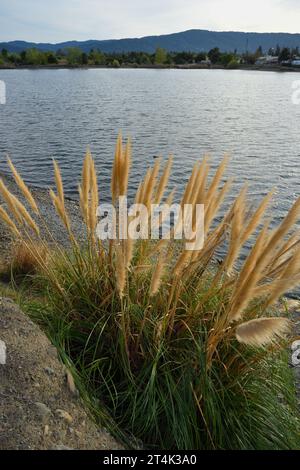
205 62
296 62
267 60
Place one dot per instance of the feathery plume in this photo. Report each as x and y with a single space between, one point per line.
163 181
7 220
22 186
157 275
262 331
59 183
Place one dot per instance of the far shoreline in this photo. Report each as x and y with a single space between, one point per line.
264 68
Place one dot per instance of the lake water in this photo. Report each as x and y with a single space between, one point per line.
248 114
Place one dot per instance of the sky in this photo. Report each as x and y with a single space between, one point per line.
63 20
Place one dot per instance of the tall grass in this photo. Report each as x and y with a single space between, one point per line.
182 352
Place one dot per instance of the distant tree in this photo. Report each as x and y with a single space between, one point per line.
214 55
200 56
259 52
51 58
23 56
160 56
295 52
144 59
249 59
13 58
4 53
74 56
226 58
97 57
285 54
277 51
233 64
84 58
60 53
35 57
116 63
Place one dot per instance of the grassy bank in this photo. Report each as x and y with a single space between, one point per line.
171 348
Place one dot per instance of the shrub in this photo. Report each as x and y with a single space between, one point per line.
23 261
181 351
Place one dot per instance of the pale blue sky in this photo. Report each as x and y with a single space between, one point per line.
60 20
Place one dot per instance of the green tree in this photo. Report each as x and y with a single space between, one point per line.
214 55
225 59
285 54
4 53
84 58
160 56
200 56
35 57
51 58
97 57
116 63
259 52
74 56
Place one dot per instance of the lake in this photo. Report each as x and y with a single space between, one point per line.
248 114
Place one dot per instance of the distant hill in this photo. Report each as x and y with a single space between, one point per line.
194 40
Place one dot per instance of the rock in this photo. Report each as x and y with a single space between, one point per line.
29 396
49 371
2 353
42 410
71 384
61 447
64 415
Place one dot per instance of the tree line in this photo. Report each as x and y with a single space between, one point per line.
74 56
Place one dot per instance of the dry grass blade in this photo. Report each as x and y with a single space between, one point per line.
10 201
120 271
248 277
60 209
94 199
157 275
85 187
190 185
262 331
59 183
115 178
217 179
237 225
26 192
125 164
257 216
26 217
7 220
163 181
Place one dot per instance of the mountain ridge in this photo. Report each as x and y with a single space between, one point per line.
193 40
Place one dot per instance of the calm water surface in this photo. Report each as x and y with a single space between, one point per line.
250 115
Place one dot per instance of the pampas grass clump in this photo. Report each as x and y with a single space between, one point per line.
181 351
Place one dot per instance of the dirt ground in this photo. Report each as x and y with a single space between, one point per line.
38 410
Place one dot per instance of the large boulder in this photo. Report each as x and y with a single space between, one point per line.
39 408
